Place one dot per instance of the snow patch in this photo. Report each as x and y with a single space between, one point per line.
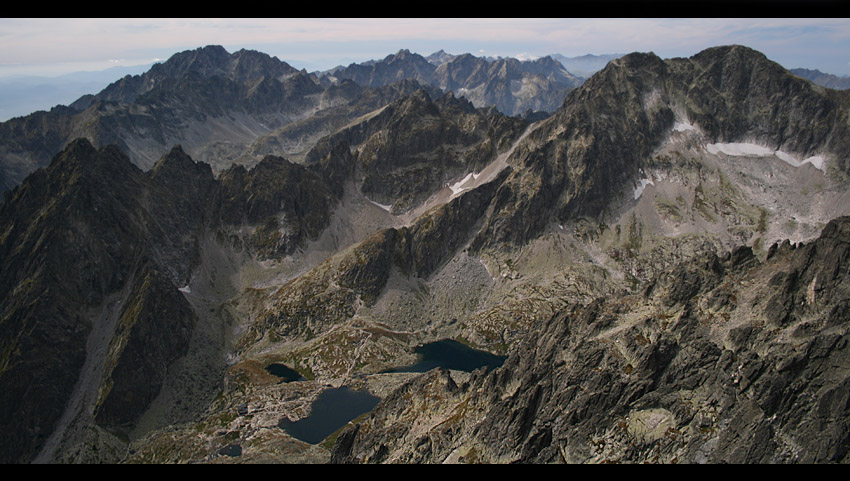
738 148
683 126
639 189
741 148
382 206
458 186
788 158
817 161
185 289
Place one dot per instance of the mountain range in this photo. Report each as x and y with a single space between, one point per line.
659 253
823 79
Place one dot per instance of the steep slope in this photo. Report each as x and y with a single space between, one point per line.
94 251
392 68
416 145
339 106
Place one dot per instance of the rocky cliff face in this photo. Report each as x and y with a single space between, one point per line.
416 145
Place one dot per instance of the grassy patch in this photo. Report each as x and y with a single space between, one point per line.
669 209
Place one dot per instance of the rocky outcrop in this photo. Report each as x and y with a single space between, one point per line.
176 199
61 254
707 373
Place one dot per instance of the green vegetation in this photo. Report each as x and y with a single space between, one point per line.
762 222
670 209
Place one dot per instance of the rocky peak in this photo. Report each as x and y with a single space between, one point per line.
250 64
549 67
637 60
402 54
440 57
285 204
242 67
730 54
80 163
175 163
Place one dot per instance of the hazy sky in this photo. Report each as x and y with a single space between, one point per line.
55 46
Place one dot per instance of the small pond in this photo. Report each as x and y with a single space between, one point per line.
232 450
450 354
286 373
331 411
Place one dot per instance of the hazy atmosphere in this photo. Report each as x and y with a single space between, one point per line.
88 54
56 46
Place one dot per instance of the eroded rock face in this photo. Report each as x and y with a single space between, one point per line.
705 373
